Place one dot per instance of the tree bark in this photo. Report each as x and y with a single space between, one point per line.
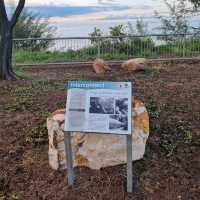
6 72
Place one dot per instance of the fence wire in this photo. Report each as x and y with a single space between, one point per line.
59 50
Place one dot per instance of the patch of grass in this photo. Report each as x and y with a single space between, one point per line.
149 70
45 85
23 92
151 150
38 135
171 137
152 109
26 97
23 98
184 132
19 71
43 114
168 144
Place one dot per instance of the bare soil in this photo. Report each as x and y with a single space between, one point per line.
170 169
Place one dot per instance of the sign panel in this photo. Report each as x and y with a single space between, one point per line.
100 107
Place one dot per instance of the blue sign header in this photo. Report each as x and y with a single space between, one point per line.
98 85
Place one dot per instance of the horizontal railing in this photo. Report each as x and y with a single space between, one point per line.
68 49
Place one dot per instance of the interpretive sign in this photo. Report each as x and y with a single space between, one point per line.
98 107
103 107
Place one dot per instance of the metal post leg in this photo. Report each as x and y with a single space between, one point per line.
129 164
69 158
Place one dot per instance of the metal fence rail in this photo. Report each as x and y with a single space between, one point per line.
59 50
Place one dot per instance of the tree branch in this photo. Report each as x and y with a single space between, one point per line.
3 13
17 13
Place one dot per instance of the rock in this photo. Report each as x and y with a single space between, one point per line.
97 150
134 64
100 66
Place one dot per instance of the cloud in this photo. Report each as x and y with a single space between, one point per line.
55 2
85 2
114 14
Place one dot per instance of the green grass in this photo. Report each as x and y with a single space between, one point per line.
21 73
32 57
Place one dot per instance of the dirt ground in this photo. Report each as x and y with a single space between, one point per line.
170 169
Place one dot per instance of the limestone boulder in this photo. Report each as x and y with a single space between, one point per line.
97 150
134 64
100 66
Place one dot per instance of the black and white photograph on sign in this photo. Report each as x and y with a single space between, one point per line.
121 106
102 105
118 122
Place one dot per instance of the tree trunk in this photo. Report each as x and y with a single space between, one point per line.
6 72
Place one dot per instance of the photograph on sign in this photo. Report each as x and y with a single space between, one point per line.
100 107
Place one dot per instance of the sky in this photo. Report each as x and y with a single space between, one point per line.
73 16
98 9
88 2
135 8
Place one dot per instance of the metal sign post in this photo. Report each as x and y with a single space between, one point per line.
69 158
129 164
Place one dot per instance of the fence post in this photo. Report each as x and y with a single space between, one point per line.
184 45
98 46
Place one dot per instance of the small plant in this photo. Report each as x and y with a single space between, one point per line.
151 71
151 150
38 135
168 144
152 109
181 134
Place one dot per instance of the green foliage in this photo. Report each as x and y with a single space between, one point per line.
141 27
32 25
20 72
176 22
120 45
152 109
95 34
117 31
114 48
